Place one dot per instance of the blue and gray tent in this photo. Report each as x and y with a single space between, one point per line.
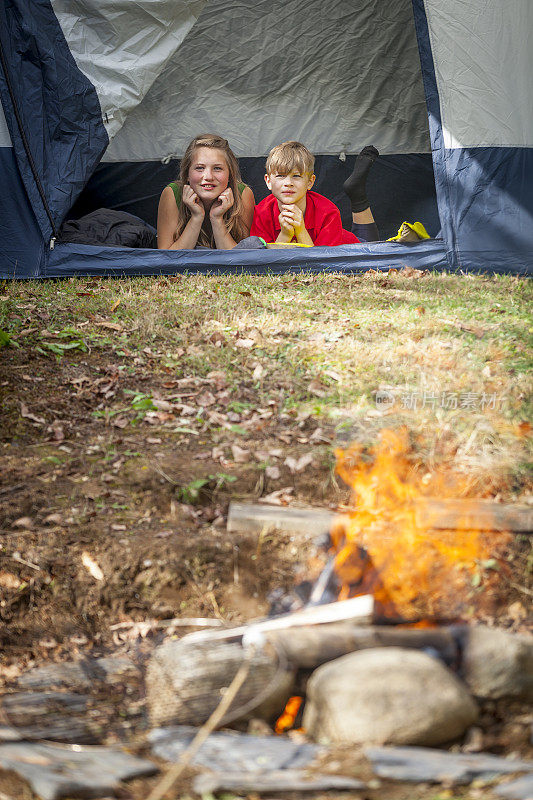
100 98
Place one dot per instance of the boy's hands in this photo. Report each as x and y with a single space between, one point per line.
193 202
223 202
293 216
291 220
285 221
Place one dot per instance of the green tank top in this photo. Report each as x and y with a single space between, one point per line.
176 188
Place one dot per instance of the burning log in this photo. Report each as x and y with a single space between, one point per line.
475 515
308 648
359 608
430 513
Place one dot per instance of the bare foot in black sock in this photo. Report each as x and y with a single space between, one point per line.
355 185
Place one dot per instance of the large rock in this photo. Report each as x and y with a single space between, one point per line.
387 695
498 663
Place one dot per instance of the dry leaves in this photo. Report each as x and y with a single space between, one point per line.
9 581
281 497
111 326
24 522
24 412
206 399
240 456
298 464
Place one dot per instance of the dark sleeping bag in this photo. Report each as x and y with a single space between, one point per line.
108 227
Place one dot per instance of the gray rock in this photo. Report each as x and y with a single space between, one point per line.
235 752
520 789
289 780
55 772
498 663
437 766
387 695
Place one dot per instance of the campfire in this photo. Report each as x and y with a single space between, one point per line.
392 578
388 546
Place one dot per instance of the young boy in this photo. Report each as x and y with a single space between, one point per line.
294 212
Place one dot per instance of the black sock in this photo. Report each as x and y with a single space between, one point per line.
355 185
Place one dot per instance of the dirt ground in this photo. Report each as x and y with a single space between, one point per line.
118 515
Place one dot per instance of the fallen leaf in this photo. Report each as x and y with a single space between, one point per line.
54 519
57 430
240 456
24 412
332 374
524 429
162 405
112 326
117 527
273 473
119 422
116 305
153 440
517 612
9 581
420 310
246 344
10 672
258 372
411 272
218 378
318 436
298 465
317 388
246 293
24 522
91 565
206 399
281 497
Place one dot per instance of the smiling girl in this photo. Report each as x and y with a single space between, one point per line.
209 205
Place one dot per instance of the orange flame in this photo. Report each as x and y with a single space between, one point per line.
287 719
383 550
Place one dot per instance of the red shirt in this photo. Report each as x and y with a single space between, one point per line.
322 219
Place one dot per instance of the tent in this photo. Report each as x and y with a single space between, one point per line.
100 97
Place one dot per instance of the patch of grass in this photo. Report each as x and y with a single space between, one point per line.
453 352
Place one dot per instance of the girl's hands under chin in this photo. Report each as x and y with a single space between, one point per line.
192 201
223 202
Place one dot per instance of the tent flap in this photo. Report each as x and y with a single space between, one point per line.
122 46
52 110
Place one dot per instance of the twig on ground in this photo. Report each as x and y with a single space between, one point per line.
16 557
523 589
183 622
168 781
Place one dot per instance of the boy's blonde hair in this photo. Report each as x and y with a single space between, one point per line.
290 157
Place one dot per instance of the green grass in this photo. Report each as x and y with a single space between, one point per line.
322 345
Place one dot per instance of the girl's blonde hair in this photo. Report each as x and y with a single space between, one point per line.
234 215
290 157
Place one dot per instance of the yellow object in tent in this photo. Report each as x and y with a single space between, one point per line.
410 232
